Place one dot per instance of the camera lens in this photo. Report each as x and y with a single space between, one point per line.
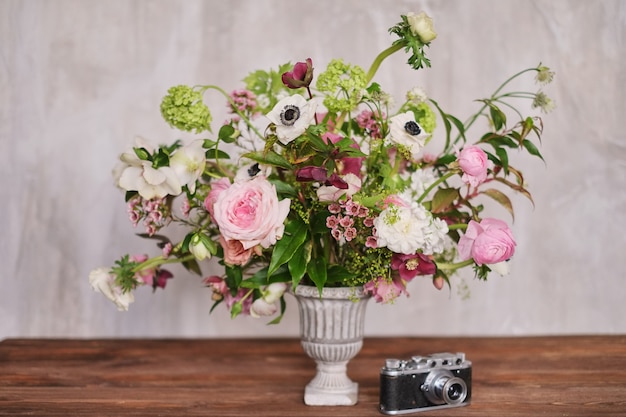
441 387
455 392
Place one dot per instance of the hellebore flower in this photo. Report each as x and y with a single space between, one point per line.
300 76
409 266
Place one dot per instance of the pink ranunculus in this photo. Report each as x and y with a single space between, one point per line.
383 290
234 253
487 242
473 162
250 212
217 187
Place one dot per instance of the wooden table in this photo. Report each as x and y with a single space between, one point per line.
529 376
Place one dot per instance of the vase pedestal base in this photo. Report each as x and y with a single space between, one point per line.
345 396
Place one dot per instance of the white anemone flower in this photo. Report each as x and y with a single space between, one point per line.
103 281
406 132
292 115
188 163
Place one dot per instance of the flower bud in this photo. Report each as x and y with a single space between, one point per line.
421 26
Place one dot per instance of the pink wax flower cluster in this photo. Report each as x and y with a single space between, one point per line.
323 178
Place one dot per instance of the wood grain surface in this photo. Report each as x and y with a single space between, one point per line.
529 376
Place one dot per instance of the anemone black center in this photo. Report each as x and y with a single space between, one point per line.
253 170
289 115
412 128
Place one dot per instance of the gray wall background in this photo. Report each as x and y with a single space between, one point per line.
79 79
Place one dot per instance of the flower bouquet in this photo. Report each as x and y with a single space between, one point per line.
322 179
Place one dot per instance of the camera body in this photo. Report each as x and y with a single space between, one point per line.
425 383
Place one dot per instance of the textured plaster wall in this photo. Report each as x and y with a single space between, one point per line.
79 79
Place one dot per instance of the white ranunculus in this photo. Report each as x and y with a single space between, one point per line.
421 26
103 281
188 163
292 115
405 131
407 229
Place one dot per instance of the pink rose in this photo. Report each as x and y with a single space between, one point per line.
487 242
473 163
383 290
216 188
234 253
249 211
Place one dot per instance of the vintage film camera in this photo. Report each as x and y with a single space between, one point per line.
425 383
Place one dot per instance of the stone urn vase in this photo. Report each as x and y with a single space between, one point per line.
331 330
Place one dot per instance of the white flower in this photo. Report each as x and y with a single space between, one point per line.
252 170
198 249
407 229
419 181
330 193
135 174
416 95
266 305
422 26
292 115
406 132
501 268
188 163
150 182
103 281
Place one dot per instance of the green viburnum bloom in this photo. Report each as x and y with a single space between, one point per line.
344 82
425 117
184 109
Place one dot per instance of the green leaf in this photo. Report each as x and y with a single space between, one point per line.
504 159
501 198
443 199
295 234
283 307
227 134
497 116
216 154
143 154
192 266
298 263
337 273
532 149
317 272
234 276
268 158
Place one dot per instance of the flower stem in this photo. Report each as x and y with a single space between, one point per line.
454 266
435 184
379 59
234 106
160 260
